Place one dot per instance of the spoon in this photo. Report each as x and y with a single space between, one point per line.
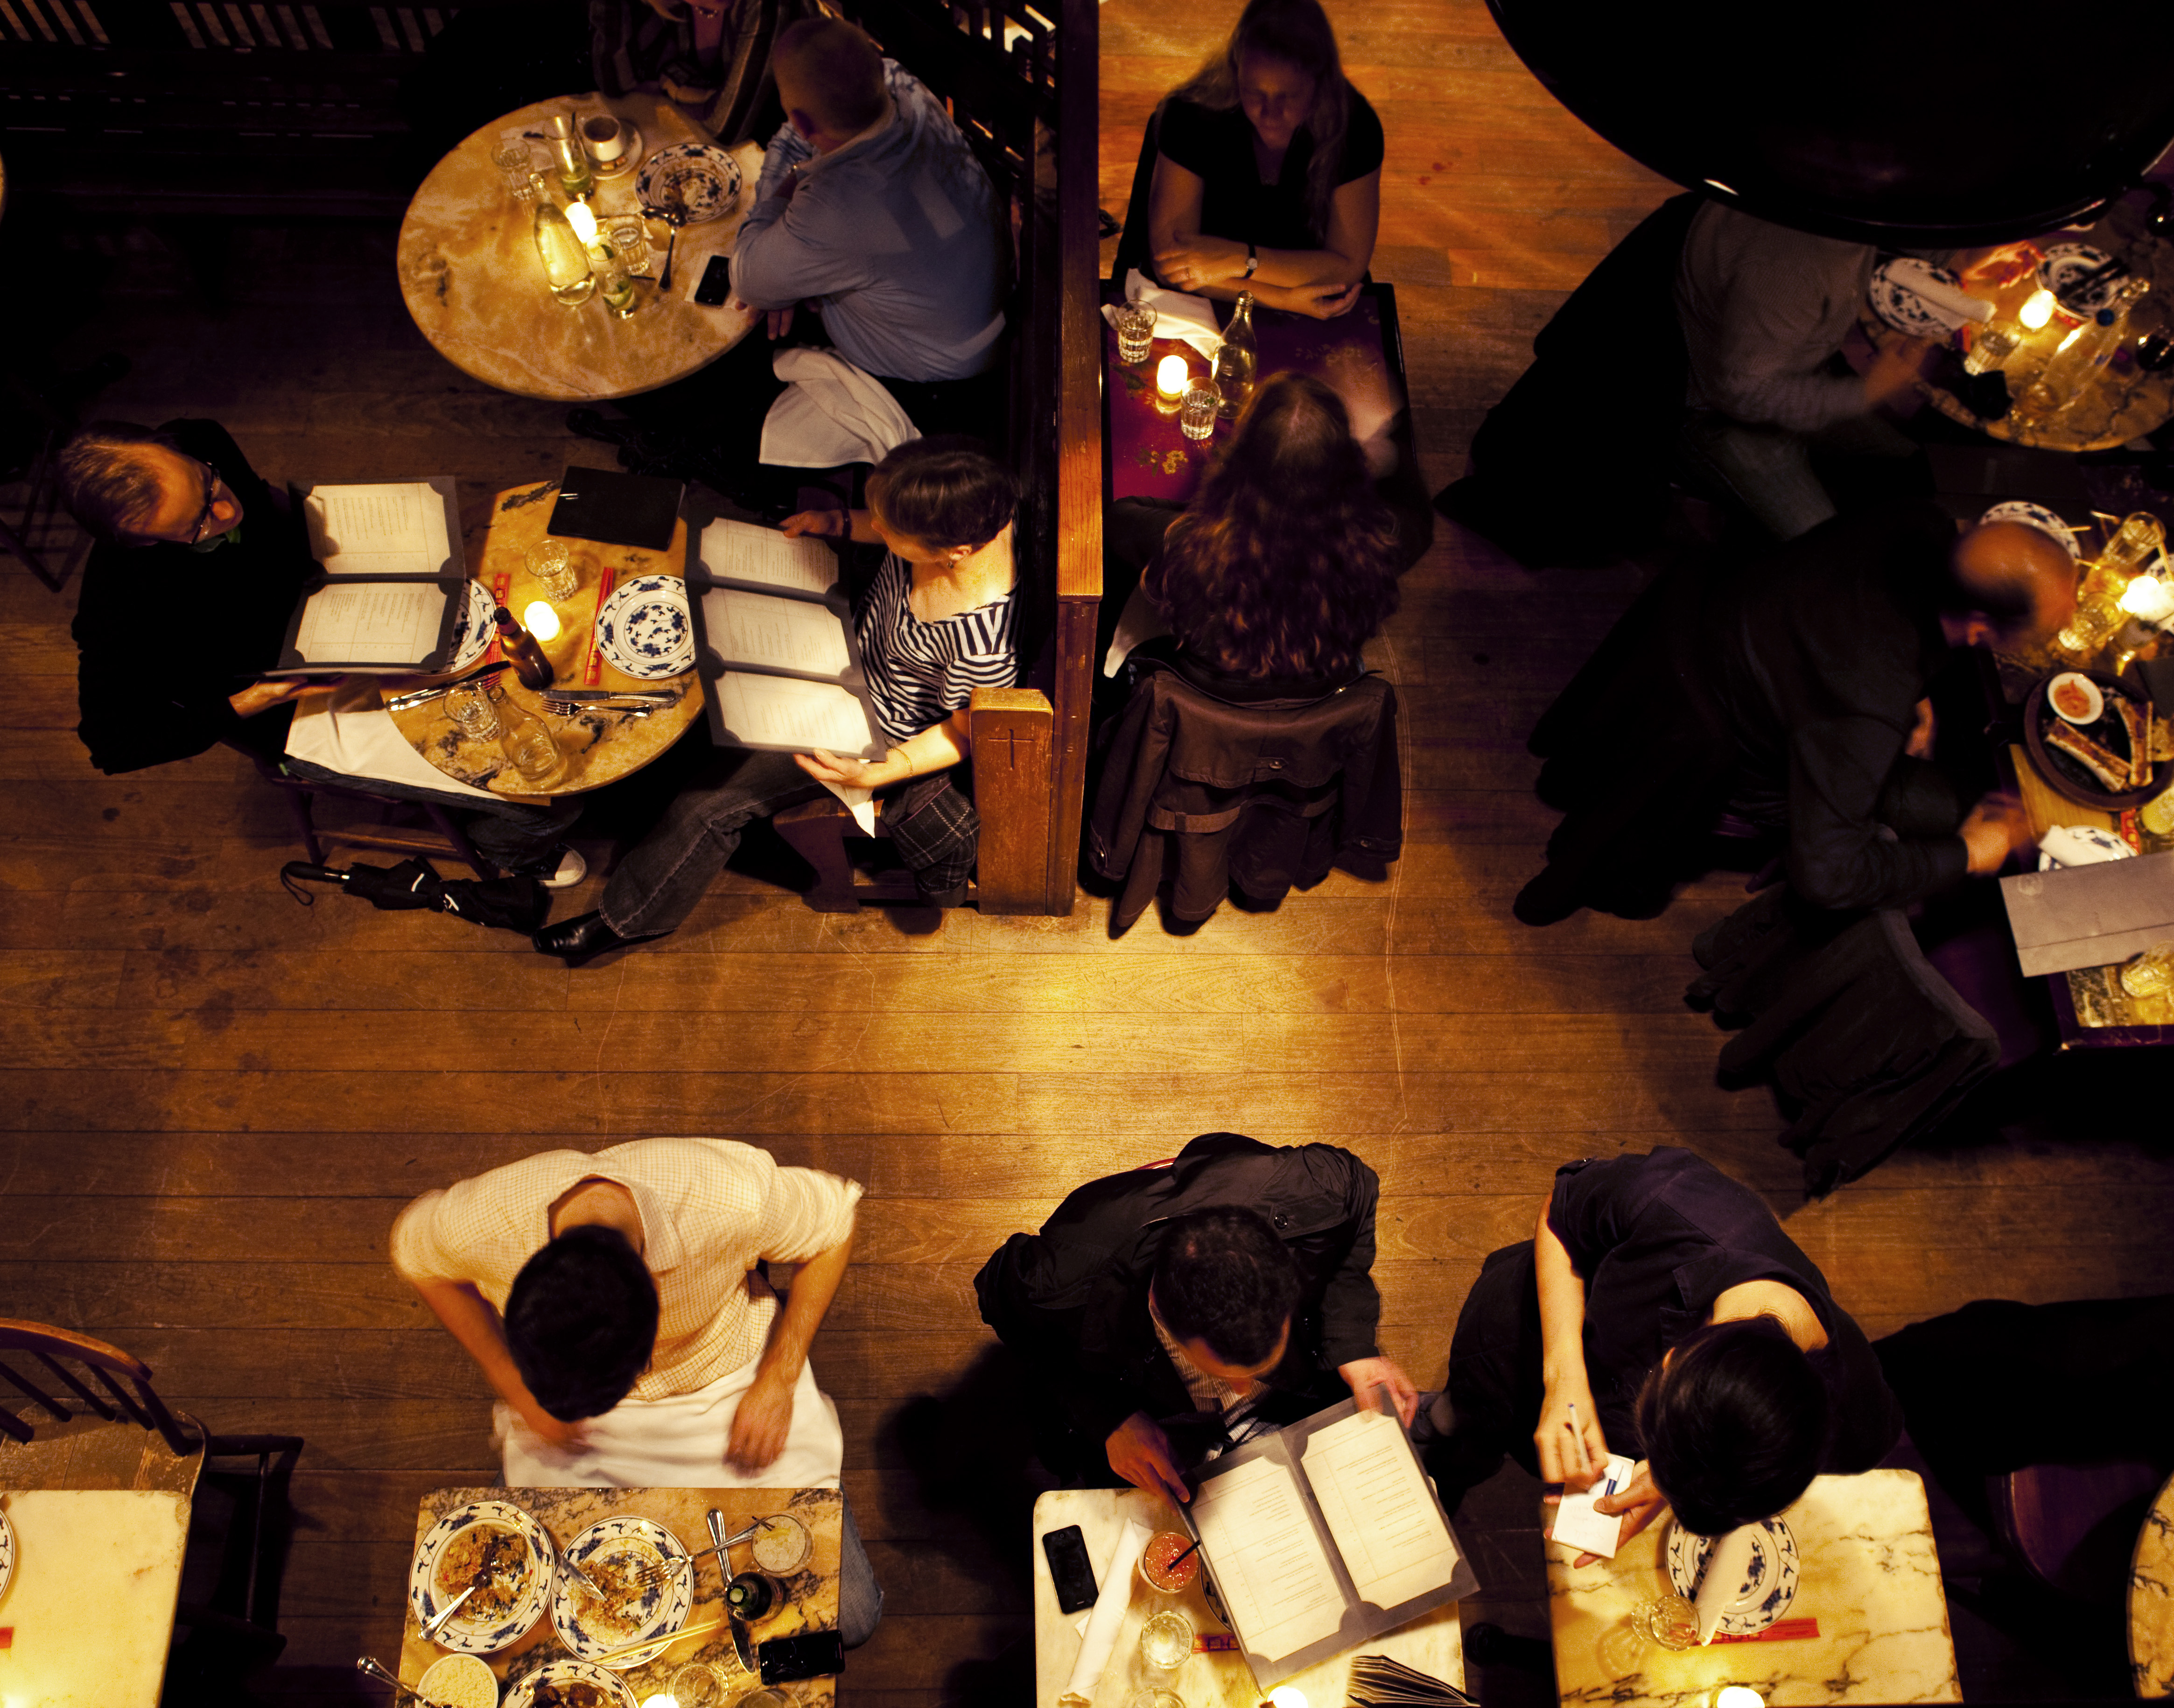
369 1668
674 214
437 1620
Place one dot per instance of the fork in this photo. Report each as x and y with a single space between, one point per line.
649 1576
565 705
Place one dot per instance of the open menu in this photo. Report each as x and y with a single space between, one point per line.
393 583
777 646
1322 1535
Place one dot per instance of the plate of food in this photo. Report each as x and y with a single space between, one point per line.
7 1552
2083 279
1770 1581
501 1551
2107 759
699 179
644 629
621 1557
560 1682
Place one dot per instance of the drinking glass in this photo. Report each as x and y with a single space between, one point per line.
1167 1641
551 565
1151 1696
628 238
1990 350
2150 974
782 1545
698 1684
471 712
573 174
770 1696
1196 412
1669 1620
515 162
1136 323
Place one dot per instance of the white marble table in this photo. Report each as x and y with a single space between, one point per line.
91 1603
1871 1577
1433 1643
2151 1599
471 278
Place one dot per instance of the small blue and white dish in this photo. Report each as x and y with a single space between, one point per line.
1770 1581
645 630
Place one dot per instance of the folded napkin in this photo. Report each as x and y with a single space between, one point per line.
1177 316
1948 303
1727 1563
830 413
1109 1614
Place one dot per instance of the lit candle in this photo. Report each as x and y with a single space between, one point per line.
662 1698
2037 309
584 222
1737 1696
1169 383
2147 598
1287 1696
541 620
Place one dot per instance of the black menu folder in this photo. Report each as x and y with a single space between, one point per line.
620 509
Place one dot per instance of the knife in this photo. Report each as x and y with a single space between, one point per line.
647 696
742 1647
423 696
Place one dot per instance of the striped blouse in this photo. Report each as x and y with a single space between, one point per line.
919 674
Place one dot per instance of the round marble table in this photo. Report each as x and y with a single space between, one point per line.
2151 1600
601 747
471 278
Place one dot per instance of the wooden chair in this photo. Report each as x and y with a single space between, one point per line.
451 842
83 1414
2074 1527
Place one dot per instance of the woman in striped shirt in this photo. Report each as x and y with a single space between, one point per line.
936 624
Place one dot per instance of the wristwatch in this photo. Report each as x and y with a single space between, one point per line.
1252 260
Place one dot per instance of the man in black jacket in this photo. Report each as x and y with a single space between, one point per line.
1172 1310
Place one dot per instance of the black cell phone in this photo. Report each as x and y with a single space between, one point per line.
1069 1570
811 1655
717 282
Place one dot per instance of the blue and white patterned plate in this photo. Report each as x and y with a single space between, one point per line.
2064 264
7 1552
1894 299
482 1635
473 629
1770 1581
700 177
589 1628
522 1692
644 628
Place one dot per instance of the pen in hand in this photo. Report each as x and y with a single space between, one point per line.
1577 1436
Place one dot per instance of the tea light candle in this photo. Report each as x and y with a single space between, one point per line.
1169 383
2148 599
583 221
541 620
2037 309
1737 1696
1287 1696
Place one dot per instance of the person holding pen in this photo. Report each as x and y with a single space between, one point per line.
1658 1312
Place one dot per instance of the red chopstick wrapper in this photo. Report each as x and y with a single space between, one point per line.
499 587
1780 1631
7 1636
595 672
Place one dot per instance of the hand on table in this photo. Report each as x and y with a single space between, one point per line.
1204 261
760 1423
1139 1453
262 696
1321 301
1996 827
1920 744
821 524
1363 1376
1555 1439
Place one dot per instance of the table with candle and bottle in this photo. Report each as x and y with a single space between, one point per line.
543 277
500 733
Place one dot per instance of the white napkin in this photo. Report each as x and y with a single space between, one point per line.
2081 845
1725 1566
1177 316
1578 1527
1109 1611
1916 276
860 803
1139 622
830 413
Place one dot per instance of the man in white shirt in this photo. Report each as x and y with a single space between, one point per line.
613 1304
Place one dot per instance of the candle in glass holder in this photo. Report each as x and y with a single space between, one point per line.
2037 309
1169 384
541 620
583 221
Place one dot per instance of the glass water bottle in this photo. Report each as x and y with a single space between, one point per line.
566 261
1237 358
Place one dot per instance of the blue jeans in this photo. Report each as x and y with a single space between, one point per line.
521 838
860 1596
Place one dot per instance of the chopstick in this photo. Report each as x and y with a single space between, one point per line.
595 671
659 1643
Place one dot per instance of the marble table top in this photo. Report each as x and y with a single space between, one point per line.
812 1606
471 278
2151 1599
601 746
90 1606
1871 1577
1433 1643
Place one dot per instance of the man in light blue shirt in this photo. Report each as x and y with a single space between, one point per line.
873 210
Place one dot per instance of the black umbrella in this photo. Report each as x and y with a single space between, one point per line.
514 904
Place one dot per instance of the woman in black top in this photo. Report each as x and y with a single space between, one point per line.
1263 173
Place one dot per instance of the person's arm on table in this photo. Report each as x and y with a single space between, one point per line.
796 244
474 1321
1319 282
764 1417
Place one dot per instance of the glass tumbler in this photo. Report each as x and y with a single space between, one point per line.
1167 1641
1136 324
515 162
551 565
2151 974
1196 411
471 712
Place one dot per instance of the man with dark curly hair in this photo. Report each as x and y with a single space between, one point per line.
1172 1311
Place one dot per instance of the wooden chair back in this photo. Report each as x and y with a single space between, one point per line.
63 1376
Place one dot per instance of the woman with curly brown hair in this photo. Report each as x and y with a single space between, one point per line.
1275 577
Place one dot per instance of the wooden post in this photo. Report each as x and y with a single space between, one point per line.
1011 729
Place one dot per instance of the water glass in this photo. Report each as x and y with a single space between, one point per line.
1149 1696
698 1684
1136 324
2150 974
573 174
514 160
627 237
782 1545
551 566
1196 412
1669 1620
471 712
1167 1641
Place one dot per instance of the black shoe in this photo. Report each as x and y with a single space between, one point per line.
583 937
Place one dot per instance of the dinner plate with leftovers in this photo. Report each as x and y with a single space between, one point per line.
621 1557
561 1682
502 1553
2104 760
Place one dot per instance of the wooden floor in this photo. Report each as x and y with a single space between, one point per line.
214 1101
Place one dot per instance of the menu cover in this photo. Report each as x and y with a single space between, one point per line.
776 644
1322 1535
620 510
392 583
